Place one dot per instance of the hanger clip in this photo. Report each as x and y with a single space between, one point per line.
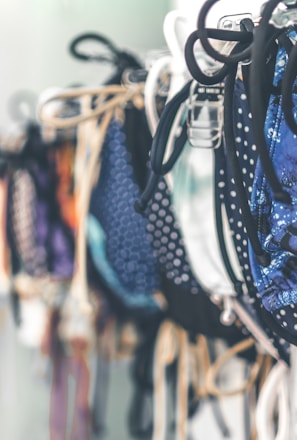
285 14
232 22
131 77
205 115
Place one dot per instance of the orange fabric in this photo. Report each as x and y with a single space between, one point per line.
64 160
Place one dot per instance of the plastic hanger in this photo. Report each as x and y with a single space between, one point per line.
21 106
285 14
205 116
274 392
150 87
176 27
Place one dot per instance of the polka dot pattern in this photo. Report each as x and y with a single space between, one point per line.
247 158
167 241
183 287
127 245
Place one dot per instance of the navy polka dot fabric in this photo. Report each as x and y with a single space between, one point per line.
188 303
168 242
247 156
130 267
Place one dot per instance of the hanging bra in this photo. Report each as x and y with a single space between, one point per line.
189 304
227 191
193 198
239 53
117 235
276 220
40 235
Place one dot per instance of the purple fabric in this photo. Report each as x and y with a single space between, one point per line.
43 242
63 369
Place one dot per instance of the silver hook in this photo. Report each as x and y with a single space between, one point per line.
228 316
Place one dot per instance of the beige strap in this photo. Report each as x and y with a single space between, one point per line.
266 368
200 361
182 384
79 287
91 138
120 96
83 134
4 249
172 342
91 134
165 353
226 356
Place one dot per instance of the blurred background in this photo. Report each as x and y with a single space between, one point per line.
35 36
34 51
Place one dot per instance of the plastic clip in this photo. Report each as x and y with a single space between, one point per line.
232 22
285 14
205 116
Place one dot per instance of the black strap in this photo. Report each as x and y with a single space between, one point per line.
92 36
122 60
193 65
239 36
257 83
157 167
219 227
262 257
287 89
219 34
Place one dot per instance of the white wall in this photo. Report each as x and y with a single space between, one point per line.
35 34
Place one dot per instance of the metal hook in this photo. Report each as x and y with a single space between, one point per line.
228 316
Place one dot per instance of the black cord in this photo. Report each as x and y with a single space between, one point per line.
163 130
92 36
262 257
257 106
219 228
120 59
160 140
239 36
287 88
192 64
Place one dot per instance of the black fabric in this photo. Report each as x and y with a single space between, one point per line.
197 313
139 141
258 83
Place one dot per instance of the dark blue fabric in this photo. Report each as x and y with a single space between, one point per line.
117 235
188 303
277 222
247 157
168 242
